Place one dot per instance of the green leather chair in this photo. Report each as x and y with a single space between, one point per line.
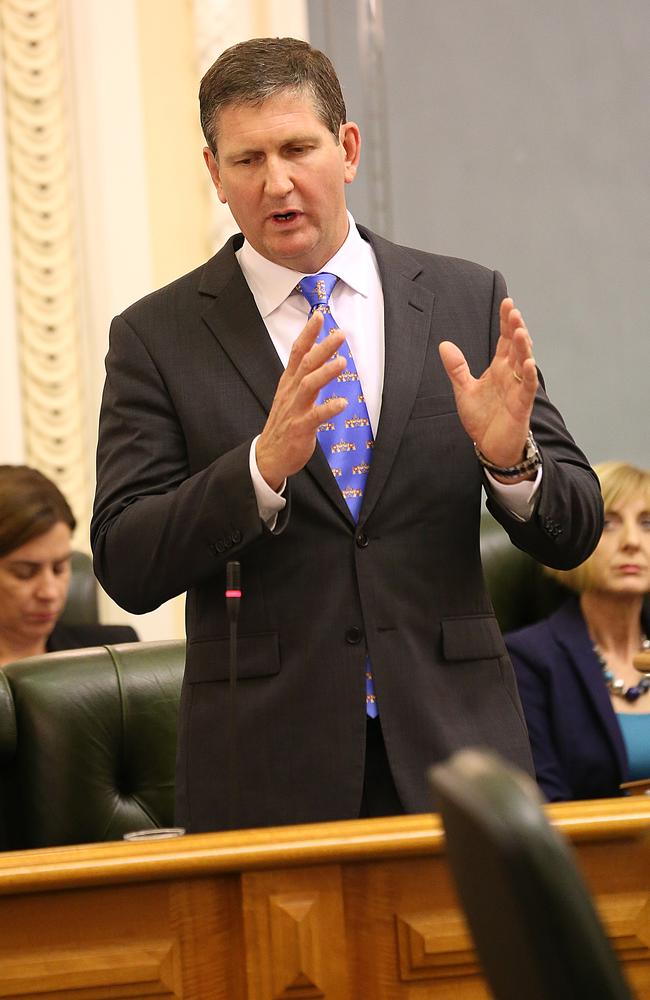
520 591
81 607
7 758
532 918
93 745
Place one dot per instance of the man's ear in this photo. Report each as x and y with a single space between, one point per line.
350 139
213 167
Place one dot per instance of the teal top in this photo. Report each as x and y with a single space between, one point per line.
636 735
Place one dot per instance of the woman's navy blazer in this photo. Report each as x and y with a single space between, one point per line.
577 744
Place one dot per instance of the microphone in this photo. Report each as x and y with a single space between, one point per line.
233 591
233 598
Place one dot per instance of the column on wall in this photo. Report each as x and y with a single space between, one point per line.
44 242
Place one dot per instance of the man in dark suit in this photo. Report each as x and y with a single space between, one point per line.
368 648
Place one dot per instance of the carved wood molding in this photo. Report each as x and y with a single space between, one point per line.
434 944
294 927
148 969
40 165
626 917
296 946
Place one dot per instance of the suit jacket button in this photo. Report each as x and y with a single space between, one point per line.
362 540
353 635
220 546
236 536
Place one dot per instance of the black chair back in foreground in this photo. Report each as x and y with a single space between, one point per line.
94 742
532 918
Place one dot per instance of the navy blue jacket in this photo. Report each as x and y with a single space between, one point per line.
577 744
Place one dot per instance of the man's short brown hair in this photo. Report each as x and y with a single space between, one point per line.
252 71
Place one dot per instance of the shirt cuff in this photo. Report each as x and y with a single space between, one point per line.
269 503
517 498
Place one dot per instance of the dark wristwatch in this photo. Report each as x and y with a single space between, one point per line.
530 462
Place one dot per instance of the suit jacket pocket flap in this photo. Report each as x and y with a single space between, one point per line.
473 637
209 659
433 406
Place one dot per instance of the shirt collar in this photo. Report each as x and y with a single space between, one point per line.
271 283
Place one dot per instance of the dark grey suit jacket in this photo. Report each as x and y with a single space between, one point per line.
191 373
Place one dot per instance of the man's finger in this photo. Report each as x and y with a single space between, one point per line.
304 341
505 308
320 353
315 380
455 365
330 408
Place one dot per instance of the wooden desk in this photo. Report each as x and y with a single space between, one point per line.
361 910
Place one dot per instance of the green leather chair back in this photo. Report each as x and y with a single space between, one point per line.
7 759
520 591
96 741
532 918
81 606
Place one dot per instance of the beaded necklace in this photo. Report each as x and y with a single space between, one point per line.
616 685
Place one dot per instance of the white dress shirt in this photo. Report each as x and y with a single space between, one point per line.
357 302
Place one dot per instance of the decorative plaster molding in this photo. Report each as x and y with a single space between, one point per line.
217 25
45 246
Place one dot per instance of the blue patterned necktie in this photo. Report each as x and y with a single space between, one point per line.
346 438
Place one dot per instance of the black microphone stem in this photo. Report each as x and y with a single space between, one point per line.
233 597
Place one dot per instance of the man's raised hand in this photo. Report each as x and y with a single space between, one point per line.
289 437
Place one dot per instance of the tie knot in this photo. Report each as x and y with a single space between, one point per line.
317 288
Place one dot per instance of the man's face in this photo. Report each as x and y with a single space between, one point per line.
283 175
34 581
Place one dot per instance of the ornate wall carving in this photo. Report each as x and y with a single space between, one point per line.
217 25
40 166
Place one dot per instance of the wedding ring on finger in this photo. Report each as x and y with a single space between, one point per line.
516 376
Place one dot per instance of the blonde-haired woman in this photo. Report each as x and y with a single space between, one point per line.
586 704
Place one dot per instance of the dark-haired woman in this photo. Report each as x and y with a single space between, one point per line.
36 525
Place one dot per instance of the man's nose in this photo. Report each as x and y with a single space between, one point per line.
278 182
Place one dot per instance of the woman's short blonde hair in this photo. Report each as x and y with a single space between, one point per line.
619 481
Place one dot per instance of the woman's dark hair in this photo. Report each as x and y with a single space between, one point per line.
30 504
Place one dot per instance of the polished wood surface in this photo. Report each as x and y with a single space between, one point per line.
346 911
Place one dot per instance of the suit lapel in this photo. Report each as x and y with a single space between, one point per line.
408 312
570 631
234 321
